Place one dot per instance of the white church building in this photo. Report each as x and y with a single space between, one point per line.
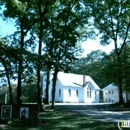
73 88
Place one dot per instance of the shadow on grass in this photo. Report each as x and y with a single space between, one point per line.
60 119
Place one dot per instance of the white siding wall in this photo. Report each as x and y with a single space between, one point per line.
59 98
65 97
50 86
50 92
73 97
94 95
124 96
44 82
97 94
111 96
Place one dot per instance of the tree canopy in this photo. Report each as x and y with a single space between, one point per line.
48 37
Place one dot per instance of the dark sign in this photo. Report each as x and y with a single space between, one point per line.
6 111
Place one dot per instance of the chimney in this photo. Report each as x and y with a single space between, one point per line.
84 80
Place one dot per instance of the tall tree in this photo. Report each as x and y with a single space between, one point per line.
112 20
24 18
42 11
126 68
65 23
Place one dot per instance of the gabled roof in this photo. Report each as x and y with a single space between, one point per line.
110 87
74 80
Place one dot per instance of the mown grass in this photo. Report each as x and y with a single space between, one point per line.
59 119
64 120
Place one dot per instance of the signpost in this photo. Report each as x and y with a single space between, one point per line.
6 112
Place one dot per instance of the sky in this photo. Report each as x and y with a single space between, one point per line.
88 46
93 45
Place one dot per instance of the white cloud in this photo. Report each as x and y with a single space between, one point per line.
93 45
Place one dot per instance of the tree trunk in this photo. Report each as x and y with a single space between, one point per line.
120 79
38 86
20 69
8 79
19 83
39 53
120 91
54 87
10 89
47 88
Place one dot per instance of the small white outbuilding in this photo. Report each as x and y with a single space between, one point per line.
73 88
111 94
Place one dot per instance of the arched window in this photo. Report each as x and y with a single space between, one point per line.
69 92
88 92
59 92
77 93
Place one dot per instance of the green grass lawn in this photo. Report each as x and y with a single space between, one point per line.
59 119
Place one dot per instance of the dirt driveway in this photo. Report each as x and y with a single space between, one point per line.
100 111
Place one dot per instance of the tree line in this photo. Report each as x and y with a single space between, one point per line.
48 36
